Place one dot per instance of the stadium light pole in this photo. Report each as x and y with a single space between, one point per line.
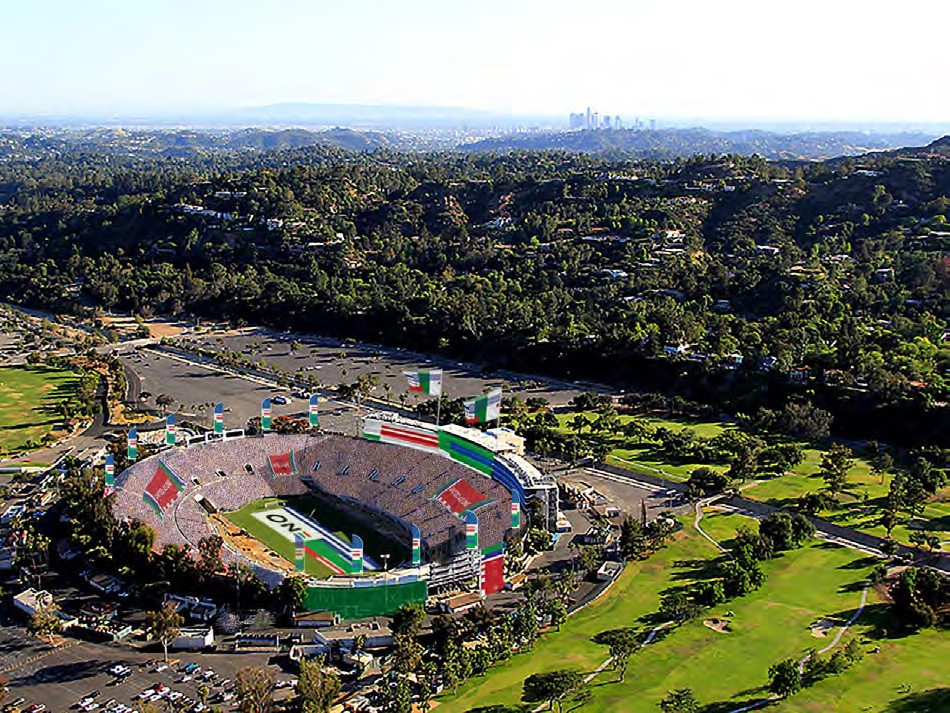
385 558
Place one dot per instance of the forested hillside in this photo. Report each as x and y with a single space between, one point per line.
723 279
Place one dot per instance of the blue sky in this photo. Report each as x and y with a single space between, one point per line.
762 59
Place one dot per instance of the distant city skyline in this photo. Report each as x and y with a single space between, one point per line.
735 60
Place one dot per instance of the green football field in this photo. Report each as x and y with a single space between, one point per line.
332 519
28 400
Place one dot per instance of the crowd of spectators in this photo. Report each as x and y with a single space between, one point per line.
231 473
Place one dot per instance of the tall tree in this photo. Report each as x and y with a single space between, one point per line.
784 678
551 687
44 622
255 689
164 624
835 465
317 689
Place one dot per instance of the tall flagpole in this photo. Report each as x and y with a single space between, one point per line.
438 408
501 392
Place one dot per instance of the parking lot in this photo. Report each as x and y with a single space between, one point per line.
61 678
626 494
333 362
197 386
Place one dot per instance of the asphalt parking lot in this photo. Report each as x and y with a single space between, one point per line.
59 678
327 359
196 387
625 494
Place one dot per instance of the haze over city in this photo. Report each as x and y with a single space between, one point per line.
708 62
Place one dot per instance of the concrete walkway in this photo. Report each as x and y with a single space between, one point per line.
699 516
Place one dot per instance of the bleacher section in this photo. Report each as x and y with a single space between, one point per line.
184 522
402 483
369 476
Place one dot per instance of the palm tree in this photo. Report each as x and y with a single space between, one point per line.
164 400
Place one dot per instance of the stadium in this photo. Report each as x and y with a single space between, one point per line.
404 511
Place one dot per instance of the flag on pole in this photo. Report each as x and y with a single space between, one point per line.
356 555
315 410
300 552
110 473
170 429
416 546
265 414
515 514
219 418
471 530
425 381
133 444
484 408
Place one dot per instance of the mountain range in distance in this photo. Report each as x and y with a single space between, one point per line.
356 127
395 117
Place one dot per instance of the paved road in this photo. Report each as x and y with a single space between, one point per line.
844 536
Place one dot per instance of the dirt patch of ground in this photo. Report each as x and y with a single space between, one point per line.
720 626
164 329
821 628
248 546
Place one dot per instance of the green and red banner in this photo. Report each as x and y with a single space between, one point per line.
219 418
471 530
171 430
110 473
356 555
162 489
416 545
300 553
133 444
266 414
315 410
282 464
484 408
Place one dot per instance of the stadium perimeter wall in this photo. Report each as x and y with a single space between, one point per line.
358 602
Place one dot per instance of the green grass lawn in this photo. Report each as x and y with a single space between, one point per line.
28 400
627 454
726 670
333 519
634 595
860 505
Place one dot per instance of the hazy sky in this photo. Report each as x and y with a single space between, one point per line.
767 59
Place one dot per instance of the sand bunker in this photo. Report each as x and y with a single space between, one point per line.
821 628
720 626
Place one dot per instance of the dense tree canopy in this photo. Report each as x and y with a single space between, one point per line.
722 279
